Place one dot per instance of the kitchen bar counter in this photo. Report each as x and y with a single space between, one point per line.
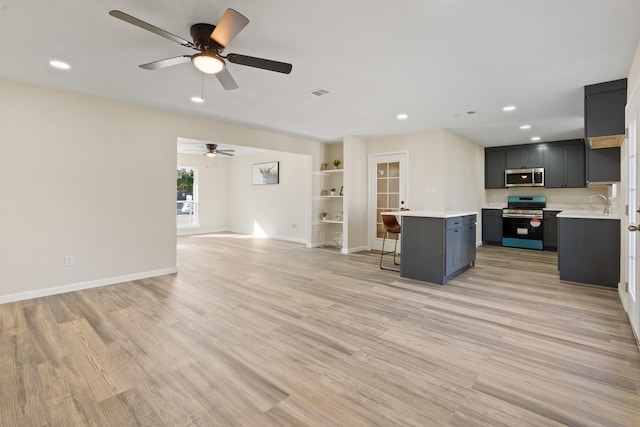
436 245
430 214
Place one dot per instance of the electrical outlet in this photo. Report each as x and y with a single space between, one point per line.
69 260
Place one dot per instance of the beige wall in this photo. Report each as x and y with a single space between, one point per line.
281 211
95 179
633 80
446 171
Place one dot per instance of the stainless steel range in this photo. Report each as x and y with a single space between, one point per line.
522 222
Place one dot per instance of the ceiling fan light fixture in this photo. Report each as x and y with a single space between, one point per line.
208 63
211 154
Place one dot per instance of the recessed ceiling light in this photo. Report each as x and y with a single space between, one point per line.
59 65
535 138
197 99
525 127
402 116
509 108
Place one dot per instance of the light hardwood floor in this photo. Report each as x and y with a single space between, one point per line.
256 332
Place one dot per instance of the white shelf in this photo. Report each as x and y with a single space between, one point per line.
331 197
331 171
329 221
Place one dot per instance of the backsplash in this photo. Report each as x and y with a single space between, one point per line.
560 198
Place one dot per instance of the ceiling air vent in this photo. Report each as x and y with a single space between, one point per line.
316 93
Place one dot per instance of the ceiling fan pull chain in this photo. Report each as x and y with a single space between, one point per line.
202 86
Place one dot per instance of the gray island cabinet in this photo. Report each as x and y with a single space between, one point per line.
589 248
437 246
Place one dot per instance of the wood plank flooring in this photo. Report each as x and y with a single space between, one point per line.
255 332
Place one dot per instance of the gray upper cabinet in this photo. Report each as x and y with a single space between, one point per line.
494 166
528 156
604 105
565 164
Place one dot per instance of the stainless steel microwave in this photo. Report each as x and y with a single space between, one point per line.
532 177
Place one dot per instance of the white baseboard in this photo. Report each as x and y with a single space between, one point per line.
20 296
354 250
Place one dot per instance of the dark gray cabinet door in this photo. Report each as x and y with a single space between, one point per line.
565 165
604 105
604 165
589 251
469 244
575 155
494 166
550 229
492 226
555 175
525 157
453 244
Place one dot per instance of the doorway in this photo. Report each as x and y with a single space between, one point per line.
387 191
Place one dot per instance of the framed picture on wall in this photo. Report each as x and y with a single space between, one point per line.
266 173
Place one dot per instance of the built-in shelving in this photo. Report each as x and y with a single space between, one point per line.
329 232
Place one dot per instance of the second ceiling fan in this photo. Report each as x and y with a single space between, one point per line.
210 40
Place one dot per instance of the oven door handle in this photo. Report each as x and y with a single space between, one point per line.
521 216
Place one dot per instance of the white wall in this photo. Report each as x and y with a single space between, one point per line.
280 210
356 196
95 179
213 190
463 183
425 166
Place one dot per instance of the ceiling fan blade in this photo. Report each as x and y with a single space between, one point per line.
227 150
265 64
146 26
230 25
156 65
225 79
223 153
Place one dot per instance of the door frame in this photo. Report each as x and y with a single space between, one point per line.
631 217
374 242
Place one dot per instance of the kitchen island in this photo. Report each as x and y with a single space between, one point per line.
436 246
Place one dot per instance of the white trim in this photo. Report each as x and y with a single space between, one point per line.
354 250
20 296
371 204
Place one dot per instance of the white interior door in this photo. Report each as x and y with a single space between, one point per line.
387 190
630 296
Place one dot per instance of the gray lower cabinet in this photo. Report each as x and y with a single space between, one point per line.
437 249
550 229
589 250
492 226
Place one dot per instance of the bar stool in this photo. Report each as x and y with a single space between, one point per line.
392 226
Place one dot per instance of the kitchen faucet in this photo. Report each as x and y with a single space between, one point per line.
606 202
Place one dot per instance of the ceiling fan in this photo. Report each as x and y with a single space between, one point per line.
212 151
210 40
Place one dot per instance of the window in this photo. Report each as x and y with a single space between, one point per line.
187 198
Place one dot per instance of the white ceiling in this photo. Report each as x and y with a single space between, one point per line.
431 59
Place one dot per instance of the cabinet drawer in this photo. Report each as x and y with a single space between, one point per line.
455 222
469 219
492 212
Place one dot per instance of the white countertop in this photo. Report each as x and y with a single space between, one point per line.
587 214
430 214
